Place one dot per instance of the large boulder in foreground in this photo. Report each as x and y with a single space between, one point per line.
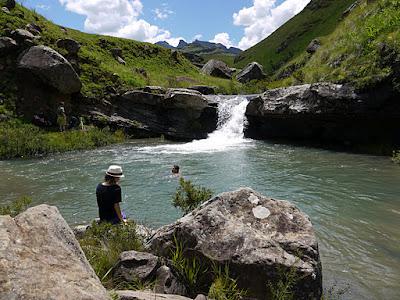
257 236
217 68
326 114
147 295
253 71
51 67
41 259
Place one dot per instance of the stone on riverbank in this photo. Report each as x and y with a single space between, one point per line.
41 259
255 235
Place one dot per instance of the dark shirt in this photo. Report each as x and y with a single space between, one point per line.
107 196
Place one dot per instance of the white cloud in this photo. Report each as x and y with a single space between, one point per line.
162 13
197 37
43 6
264 17
222 38
175 41
117 18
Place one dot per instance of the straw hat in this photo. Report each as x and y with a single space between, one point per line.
115 171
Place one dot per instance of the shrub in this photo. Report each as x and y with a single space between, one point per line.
190 270
16 207
224 287
25 140
189 196
282 289
103 243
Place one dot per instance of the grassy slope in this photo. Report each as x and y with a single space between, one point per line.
353 52
98 65
319 18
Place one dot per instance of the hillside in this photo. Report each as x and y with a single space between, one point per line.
319 18
99 71
364 50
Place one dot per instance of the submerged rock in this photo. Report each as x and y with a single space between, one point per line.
41 259
257 236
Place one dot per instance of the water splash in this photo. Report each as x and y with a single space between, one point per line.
229 134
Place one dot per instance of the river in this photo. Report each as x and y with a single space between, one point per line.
352 200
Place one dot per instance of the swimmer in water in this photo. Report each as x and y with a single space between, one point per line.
175 171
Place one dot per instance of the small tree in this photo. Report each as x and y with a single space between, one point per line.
189 196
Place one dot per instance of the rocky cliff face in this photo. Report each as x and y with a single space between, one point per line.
329 114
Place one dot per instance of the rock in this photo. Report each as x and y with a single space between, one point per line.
41 259
33 28
204 89
10 4
144 232
146 98
70 45
254 235
116 52
5 10
147 295
253 71
350 9
154 89
7 45
22 36
217 68
80 230
201 297
51 67
167 283
313 46
185 98
133 265
120 60
325 114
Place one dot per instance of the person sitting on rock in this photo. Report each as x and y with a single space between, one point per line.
61 117
108 196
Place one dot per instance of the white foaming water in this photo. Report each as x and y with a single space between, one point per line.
230 132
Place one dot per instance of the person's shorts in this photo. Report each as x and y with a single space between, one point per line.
62 120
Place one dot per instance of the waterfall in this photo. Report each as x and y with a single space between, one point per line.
229 133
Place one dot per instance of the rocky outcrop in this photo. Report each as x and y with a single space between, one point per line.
255 235
7 45
167 283
313 46
41 259
70 45
217 68
253 71
179 114
147 295
44 79
34 29
326 114
118 55
51 67
204 89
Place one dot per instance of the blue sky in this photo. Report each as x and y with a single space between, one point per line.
239 23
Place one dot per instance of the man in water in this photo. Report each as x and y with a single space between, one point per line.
175 171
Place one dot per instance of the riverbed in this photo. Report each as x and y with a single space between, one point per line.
352 200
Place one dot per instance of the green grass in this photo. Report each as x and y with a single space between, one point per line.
18 140
103 243
224 287
189 196
16 207
100 70
318 19
396 157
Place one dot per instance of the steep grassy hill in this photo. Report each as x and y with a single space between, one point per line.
364 50
146 64
319 18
